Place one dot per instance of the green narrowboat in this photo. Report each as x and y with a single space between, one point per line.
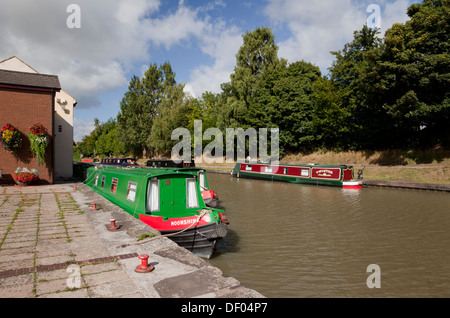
168 200
330 175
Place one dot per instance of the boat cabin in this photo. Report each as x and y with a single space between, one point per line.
167 163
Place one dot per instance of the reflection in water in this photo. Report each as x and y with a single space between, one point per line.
290 240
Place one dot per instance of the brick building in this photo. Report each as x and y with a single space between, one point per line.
28 98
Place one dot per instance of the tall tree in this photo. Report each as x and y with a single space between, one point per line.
172 113
416 72
355 75
139 107
135 118
328 116
206 109
284 101
257 56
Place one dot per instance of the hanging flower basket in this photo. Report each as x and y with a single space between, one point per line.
25 177
39 140
10 138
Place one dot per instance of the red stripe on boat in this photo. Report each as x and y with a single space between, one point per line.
173 224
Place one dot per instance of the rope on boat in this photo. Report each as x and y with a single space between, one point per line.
202 214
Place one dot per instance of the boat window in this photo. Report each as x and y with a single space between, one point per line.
191 194
131 191
114 185
268 169
248 167
153 196
285 170
103 182
305 173
202 180
96 180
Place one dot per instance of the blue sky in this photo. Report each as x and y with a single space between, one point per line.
121 38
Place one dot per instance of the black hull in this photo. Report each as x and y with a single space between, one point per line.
199 240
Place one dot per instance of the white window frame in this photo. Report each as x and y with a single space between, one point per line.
153 196
304 172
131 191
191 194
202 180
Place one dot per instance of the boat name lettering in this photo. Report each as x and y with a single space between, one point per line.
183 222
325 173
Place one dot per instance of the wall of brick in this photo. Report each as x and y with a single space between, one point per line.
22 109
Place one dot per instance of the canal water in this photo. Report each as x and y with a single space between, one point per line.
302 241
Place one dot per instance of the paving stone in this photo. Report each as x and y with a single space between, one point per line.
77 293
51 286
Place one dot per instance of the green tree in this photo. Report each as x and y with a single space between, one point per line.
107 144
416 74
356 78
140 107
257 56
206 109
171 114
285 101
135 118
328 116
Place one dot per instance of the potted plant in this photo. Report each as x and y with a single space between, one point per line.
24 177
10 138
39 140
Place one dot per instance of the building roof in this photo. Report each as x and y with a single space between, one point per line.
13 62
14 78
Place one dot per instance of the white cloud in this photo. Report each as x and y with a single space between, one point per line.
214 38
222 45
318 27
115 37
90 60
394 12
175 28
82 128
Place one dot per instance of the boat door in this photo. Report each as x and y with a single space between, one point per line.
171 200
172 196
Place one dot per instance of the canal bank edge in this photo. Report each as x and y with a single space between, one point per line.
178 273
380 183
408 185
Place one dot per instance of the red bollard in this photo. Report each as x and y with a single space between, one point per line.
113 226
144 267
94 207
75 187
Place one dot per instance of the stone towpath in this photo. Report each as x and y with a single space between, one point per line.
53 245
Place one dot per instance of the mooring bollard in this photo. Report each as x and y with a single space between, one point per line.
144 267
113 226
94 207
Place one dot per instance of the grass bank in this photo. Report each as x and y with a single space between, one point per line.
426 166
